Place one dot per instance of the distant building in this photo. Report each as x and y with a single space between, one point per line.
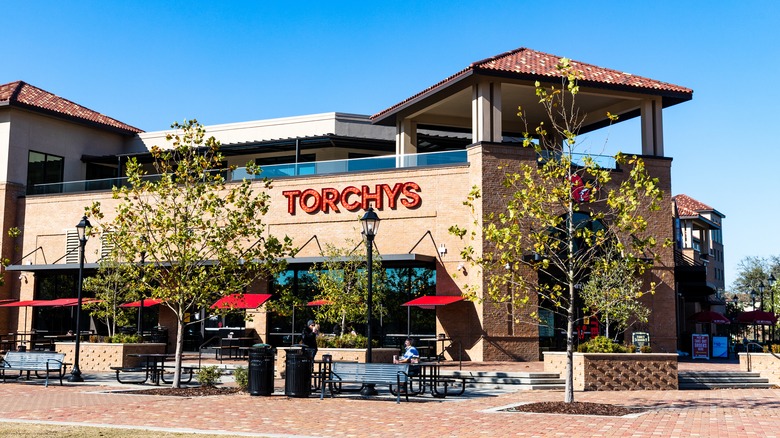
698 267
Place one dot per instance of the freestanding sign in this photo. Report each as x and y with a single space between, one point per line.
720 346
700 346
640 339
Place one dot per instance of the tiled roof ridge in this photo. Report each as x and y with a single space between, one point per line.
690 203
591 74
24 94
585 68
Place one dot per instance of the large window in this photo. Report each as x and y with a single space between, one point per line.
403 284
44 168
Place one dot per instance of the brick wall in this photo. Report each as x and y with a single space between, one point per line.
616 371
100 357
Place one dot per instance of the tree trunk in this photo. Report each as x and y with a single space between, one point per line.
569 390
179 351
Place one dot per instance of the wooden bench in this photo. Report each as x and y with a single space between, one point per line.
50 363
367 374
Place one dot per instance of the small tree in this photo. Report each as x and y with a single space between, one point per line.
203 239
613 290
560 215
342 280
111 287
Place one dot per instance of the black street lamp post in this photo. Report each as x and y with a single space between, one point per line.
141 307
81 228
771 282
370 222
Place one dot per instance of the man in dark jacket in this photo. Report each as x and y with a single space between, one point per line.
309 338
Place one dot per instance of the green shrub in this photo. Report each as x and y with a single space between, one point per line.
344 341
122 338
209 376
601 344
630 348
645 349
241 375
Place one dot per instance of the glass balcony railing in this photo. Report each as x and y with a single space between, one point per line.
602 161
384 162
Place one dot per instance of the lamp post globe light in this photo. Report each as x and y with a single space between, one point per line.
81 228
370 223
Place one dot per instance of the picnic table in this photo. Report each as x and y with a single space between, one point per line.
153 368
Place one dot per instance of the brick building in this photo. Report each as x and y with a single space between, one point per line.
414 163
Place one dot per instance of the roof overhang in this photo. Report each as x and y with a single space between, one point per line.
388 260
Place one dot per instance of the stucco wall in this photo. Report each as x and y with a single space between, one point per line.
764 363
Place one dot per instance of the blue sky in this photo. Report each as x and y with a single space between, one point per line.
149 63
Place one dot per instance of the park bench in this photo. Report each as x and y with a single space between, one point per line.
367 374
50 363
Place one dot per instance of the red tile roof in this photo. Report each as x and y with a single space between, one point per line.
534 64
687 206
22 94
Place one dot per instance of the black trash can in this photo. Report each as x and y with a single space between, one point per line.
297 378
261 370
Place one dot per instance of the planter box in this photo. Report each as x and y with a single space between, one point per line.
378 355
764 363
617 371
100 356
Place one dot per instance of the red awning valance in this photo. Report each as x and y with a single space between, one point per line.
429 302
147 302
241 301
48 303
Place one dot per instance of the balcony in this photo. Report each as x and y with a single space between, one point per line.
386 162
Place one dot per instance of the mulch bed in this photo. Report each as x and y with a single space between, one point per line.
575 408
194 391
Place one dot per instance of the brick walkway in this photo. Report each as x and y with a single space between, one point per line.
737 413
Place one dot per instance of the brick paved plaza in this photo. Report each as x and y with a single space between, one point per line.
732 413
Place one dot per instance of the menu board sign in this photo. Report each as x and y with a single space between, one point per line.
701 346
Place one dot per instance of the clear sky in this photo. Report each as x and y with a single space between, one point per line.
149 63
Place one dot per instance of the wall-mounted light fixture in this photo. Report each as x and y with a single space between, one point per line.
442 249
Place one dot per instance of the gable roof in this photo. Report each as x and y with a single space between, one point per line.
23 95
687 206
524 63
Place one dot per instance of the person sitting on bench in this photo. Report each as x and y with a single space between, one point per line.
410 355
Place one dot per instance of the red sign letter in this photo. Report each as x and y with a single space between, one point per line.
291 195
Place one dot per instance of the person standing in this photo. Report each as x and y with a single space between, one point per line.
309 338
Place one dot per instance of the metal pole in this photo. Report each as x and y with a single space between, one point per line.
75 374
370 261
141 307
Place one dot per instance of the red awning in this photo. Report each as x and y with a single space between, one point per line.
147 302
429 302
319 303
49 303
241 301
23 303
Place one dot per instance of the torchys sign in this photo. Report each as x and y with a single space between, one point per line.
353 198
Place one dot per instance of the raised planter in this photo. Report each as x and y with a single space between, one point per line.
617 371
378 355
764 363
101 356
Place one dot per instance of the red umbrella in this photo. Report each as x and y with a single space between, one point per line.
147 303
708 316
759 317
319 303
